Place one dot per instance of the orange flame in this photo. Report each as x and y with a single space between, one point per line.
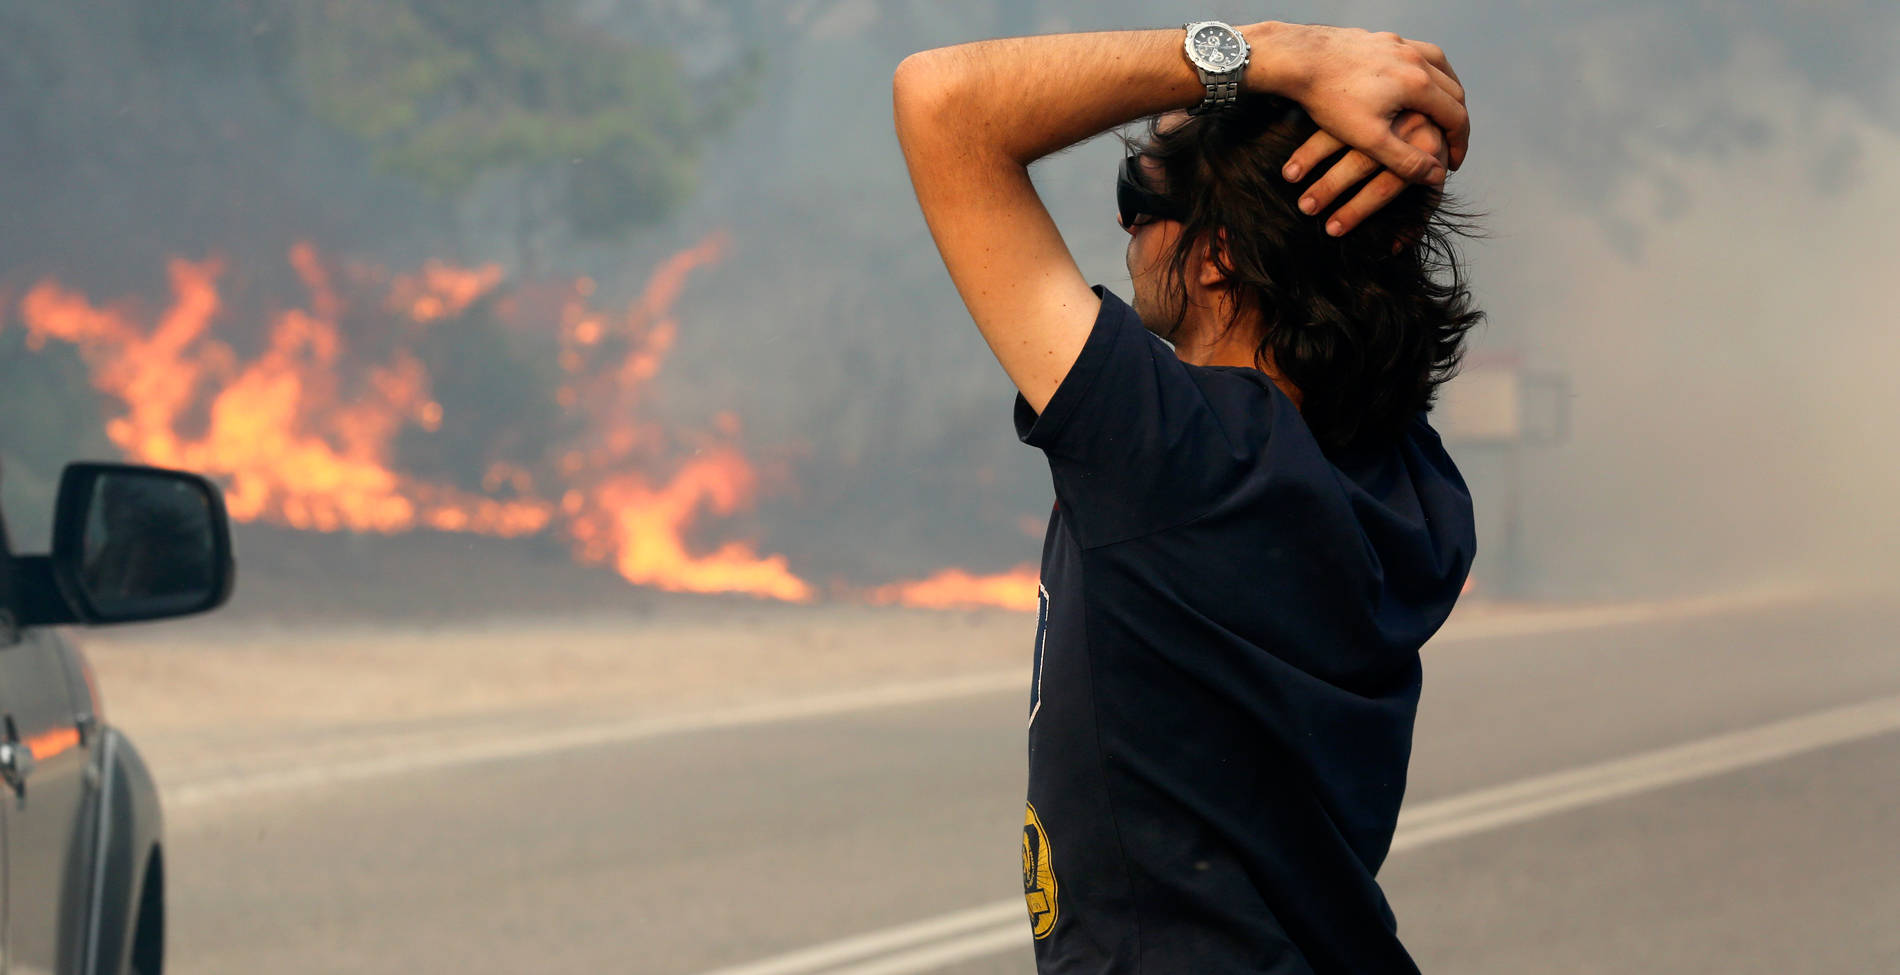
624 517
301 438
440 290
645 526
955 588
290 448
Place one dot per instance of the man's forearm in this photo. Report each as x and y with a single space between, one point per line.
1026 97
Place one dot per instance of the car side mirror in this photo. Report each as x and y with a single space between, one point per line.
139 543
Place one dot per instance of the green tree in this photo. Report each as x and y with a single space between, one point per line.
600 133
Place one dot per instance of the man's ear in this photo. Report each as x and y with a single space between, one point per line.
1210 255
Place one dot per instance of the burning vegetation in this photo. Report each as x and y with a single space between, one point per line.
951 588
334 420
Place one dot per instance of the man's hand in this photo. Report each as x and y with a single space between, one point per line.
1356 85
1417 131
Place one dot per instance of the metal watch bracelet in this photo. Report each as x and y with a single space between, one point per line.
1220 94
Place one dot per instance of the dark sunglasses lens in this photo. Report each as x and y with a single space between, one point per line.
1129 195
1134 201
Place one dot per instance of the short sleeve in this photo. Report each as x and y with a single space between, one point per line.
1133 442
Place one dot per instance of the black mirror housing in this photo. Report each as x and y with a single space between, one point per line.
139 543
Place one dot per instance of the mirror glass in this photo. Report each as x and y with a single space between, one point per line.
149 548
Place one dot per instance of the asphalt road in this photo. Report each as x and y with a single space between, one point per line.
882 840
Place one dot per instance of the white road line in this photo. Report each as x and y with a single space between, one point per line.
903 936
996 940
1512 623
1432 822
529 744
406 756
1531 798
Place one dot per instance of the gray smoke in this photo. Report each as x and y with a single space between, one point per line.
1684 206
1684 217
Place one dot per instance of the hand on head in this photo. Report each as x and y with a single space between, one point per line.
1397 104
1355 166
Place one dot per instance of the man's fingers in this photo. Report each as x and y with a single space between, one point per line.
1425 134
1415 129
1310 154
1383 188
1436 55
1459 137
1407 161
1438 103
1343 175
1446 82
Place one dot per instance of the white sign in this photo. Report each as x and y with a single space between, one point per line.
1483 404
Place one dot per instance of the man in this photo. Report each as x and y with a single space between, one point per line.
1256 529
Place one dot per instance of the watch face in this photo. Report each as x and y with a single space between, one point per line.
1218 48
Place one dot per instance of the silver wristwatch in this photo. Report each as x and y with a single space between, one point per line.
1220 54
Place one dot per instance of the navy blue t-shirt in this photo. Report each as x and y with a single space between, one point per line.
1226 669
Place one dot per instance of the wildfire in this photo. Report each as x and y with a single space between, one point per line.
645 522
955 588
306 430
289 447
303 435
440 290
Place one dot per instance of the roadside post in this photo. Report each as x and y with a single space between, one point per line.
1492 413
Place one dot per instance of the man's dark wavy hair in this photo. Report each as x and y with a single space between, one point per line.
1368 335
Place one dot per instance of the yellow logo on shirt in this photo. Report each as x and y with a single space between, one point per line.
1039 876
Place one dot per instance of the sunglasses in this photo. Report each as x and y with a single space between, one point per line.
1134 201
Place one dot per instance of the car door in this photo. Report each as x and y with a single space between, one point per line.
42 787
45 774
10 637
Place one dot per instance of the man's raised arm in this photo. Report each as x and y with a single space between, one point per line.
971 119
